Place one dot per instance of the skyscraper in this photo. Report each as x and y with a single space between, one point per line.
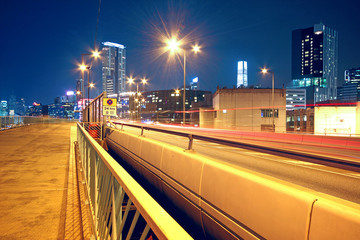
194 84
242 76
113 68
315 62
352 75
350 91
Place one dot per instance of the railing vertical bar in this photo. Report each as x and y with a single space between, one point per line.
96 193
102 179
113 209
128 205
145 232
133 224
119 212
106 203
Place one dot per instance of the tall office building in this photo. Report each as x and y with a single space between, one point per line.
352 75
242 76
113 68
350 91
194 84
315 62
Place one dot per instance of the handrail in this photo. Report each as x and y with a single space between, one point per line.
107 185
341 163
93 111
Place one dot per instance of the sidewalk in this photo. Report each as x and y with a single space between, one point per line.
34 177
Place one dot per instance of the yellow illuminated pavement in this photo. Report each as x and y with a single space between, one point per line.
34 178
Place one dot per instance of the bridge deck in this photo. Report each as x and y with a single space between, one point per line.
38 184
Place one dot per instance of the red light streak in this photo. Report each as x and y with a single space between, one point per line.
270 107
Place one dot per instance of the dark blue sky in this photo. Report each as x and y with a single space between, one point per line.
42 40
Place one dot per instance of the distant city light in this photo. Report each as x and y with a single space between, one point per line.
70 93
195 80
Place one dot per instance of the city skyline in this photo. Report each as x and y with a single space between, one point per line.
50 42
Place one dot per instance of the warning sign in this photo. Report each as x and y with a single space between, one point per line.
109 106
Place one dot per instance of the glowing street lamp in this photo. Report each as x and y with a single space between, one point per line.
174 46
196 48
131 81
95 54
265 71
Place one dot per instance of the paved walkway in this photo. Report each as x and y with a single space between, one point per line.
34 178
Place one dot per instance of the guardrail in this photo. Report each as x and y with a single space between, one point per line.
340 163
8 122
120 206
232 203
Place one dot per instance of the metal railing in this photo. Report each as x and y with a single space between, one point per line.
8 122
93 112
121 208
340 163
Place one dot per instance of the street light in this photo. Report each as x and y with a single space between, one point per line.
132 80
174 46
265 71
95 54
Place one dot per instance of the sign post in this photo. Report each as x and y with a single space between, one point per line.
109 106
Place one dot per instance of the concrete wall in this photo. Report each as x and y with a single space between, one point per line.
241 109
234 203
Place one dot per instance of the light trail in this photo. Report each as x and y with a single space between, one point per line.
269 107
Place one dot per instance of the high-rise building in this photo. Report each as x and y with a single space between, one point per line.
3 108
295 98
350 91
194 84
242 76
352 75
113 68
315 62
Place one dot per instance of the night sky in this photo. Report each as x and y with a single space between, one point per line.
42 41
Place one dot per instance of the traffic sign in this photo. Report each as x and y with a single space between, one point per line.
109 106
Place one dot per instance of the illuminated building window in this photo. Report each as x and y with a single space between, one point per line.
267 113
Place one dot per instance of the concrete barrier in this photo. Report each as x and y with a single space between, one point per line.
335 221
229 202
253 206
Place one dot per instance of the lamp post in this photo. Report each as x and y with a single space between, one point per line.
95 54
264 71
173 47
132 80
